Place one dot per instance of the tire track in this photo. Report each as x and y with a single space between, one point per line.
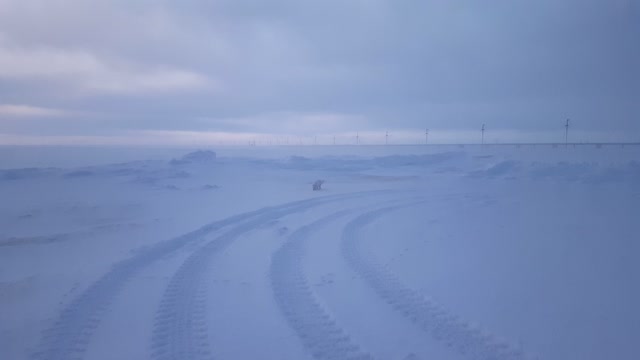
319 333
180 329
69 336
431 317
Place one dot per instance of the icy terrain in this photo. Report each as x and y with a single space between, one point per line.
408 252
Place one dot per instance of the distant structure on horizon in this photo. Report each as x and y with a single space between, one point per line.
413 138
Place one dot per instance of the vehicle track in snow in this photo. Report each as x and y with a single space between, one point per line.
431 317
69 336
180 329
315 327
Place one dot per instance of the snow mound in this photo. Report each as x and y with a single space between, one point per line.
25 173
196 157
587 172
503 168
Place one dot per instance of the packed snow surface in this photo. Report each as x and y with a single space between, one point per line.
407 252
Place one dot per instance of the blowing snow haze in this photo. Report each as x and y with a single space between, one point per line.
170 188
230 72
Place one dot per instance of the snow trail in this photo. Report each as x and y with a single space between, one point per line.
180 329
71 333
316 328
431 317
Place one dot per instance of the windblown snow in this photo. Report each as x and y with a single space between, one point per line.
406 253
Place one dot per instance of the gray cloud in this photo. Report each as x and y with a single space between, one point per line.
314 67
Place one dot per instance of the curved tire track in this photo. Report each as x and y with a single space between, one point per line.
319 333
69 336
180 330
428 315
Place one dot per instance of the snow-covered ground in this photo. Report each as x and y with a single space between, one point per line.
409 252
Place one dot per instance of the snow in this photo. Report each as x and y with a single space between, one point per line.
408 252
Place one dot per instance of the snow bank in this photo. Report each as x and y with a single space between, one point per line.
196 157
591 172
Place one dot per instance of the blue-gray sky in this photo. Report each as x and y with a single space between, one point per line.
167 72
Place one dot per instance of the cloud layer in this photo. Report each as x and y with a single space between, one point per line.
113 68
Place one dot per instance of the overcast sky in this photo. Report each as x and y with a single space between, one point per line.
168 72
